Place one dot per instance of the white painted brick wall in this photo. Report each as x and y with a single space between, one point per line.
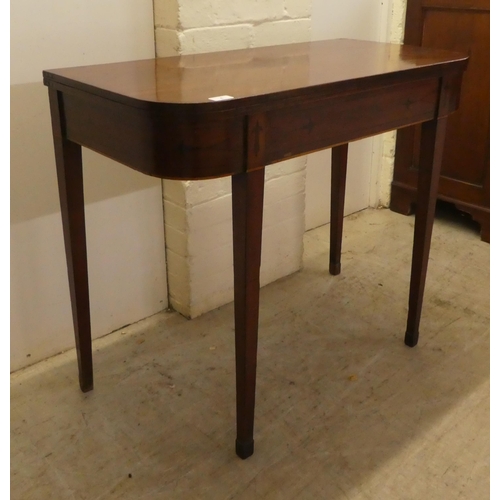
298 8
210 13
386 171
199 236
216 38
166 42
166 13
198 219
283 31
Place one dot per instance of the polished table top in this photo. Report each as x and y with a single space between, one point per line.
252 73
231 114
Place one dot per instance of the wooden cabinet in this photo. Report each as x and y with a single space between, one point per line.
462 25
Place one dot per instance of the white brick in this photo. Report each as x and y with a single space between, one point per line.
206 13
216 262
298 8
213 211
175 191
196 14
166 13
217 259
397 21
282 249
281 32
221 292
167 42
386 169
237 11
215 39
175 228
179 289
283 187
389 144
384 181
291 207
212 275
285 167
203 241
175 215
176 240
203 191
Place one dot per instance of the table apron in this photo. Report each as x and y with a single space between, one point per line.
293 130
166 142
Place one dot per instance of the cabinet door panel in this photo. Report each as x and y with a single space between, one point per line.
465 148
462 25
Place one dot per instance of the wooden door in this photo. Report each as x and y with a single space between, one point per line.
461 25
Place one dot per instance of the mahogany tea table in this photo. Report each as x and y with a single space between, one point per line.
231 114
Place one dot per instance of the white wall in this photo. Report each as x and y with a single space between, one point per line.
364 20
124 208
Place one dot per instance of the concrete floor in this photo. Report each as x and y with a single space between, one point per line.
344 409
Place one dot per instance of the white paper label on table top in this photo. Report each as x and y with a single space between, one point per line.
221 98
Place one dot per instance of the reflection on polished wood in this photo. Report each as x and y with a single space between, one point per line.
156 116
248 73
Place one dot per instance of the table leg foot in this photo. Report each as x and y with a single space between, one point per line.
334 268
86 386
431 151
244 449
411 338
